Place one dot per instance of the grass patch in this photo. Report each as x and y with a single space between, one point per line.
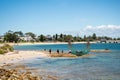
6 48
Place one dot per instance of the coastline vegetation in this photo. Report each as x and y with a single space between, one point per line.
19 36
6 48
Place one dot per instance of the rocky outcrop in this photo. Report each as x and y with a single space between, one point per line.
12 74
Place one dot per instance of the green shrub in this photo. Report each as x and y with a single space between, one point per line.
11 49
1 51
6 48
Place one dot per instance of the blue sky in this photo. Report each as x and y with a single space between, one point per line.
61 16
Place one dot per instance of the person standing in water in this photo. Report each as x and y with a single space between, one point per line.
62 51
50 51
58 51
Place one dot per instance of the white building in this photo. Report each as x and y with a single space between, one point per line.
1 38
26 38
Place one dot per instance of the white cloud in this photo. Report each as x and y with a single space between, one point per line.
102 30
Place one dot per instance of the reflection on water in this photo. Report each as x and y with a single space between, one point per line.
101 66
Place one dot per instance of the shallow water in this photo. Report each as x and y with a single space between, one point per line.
100 66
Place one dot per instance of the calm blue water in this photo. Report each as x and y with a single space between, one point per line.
100 66
111 46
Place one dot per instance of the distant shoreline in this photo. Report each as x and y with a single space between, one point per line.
44 43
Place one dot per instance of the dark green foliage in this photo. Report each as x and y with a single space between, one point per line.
61 35
77 39
118 38
42 38
18 36
19 33
94 36
10 36
68 38
56 37
1 51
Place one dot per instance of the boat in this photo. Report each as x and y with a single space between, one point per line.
79 52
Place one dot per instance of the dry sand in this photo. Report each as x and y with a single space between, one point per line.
16 56
45 43
99 51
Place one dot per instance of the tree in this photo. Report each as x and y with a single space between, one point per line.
85 38
76 38
42 38
61 38
30 34
68 38
53 37
89 38
19 33
61 35
10 36
94 36
118 38
56 37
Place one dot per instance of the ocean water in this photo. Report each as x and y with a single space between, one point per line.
100 66
54 47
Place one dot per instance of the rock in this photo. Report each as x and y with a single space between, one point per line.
39 78
14 75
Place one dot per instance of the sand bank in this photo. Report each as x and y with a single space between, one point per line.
106 51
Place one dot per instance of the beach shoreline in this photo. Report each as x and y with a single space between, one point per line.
15 60
23 55
43 43
16 56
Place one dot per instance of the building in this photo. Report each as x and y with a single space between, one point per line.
26 38
1 38
48 38
103 40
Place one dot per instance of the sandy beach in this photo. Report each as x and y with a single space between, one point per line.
16 56
44 43
12 57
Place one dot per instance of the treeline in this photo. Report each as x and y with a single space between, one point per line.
19 36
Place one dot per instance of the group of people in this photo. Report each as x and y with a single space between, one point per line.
58 51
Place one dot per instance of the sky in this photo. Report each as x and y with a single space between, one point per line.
75 17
